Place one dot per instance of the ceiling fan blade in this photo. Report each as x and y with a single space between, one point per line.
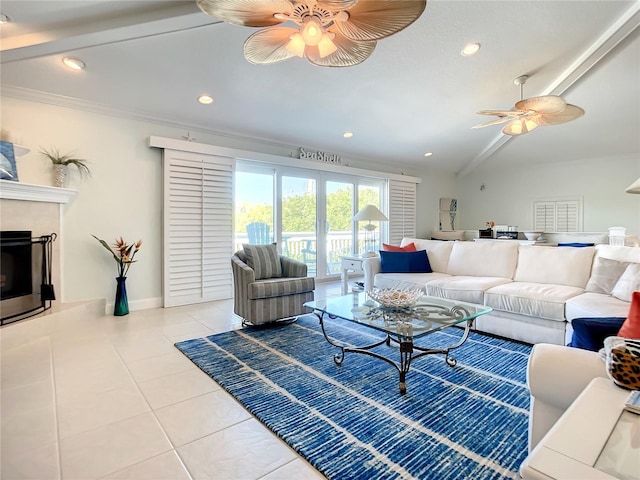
349 53
248 13
376 19
336 5
268 45
501 113
571 112
546 104
498 121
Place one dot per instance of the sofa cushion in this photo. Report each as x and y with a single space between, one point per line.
438 252
264 260
406 280
531 299
622 254
552 265
628 283
410 247
604 275
484 259
589 333
591 304
631 326
405 262
464 288
277 287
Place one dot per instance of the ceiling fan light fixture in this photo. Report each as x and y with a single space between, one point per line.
312 32
296 45
326 46
520 127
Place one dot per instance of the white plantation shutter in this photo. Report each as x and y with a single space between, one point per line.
198 222
402 211
558 215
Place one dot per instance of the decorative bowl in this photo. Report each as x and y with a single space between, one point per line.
532 235
396 298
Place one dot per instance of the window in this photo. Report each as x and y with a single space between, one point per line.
558 215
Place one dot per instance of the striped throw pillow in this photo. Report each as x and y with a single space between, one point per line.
264 260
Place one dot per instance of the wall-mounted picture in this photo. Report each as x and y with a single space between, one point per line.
448 210
8 170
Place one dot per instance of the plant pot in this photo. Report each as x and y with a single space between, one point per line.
61 175
121 305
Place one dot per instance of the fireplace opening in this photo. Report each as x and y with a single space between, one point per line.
25 275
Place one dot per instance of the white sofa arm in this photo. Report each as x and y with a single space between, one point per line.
370 266
556 375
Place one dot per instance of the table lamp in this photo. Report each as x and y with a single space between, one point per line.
369 213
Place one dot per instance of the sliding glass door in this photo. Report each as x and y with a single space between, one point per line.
309 213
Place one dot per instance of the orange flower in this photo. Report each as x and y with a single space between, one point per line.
122 254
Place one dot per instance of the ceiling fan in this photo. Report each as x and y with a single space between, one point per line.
328 33
530 113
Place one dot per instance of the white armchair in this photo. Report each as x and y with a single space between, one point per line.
556 375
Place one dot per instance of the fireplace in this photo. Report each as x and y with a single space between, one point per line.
25 275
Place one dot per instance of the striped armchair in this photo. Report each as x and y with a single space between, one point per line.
271 299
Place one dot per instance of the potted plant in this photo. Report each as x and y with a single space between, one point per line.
61 165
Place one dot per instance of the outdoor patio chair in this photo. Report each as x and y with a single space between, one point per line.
259 233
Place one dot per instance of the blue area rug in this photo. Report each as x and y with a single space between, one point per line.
350 422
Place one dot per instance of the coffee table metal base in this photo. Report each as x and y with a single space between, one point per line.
407 349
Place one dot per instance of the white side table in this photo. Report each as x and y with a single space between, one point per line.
578 445
350 263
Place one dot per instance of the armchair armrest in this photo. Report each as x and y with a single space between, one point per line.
558 374
292 268
243 272
370 266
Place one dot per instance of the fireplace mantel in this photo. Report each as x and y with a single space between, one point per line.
35 193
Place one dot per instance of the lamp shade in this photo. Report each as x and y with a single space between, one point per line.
634 187
370 213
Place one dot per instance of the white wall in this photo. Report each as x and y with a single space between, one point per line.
508 194
123 197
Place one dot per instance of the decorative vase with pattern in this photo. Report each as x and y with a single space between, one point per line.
61 173
121 306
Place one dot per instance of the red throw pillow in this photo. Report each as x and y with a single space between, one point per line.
631 326
410 247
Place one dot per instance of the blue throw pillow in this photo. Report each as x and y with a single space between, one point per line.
405 262
589 333
576 244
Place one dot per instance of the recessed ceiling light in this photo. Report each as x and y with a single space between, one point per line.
205 99
428 154
73 63
470 49
347 134
4 18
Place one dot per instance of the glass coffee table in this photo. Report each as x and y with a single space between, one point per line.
401 326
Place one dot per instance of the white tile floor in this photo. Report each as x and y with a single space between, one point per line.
112 398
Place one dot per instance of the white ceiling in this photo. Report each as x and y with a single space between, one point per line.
416 93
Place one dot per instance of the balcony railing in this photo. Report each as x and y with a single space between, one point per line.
302 246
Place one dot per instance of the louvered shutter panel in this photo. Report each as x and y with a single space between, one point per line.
402 211
557 216
544 216
567 216
198 237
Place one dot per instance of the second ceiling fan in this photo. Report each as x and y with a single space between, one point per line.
530 113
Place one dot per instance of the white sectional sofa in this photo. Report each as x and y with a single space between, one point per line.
535 291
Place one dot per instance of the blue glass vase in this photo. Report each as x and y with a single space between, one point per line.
121 307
